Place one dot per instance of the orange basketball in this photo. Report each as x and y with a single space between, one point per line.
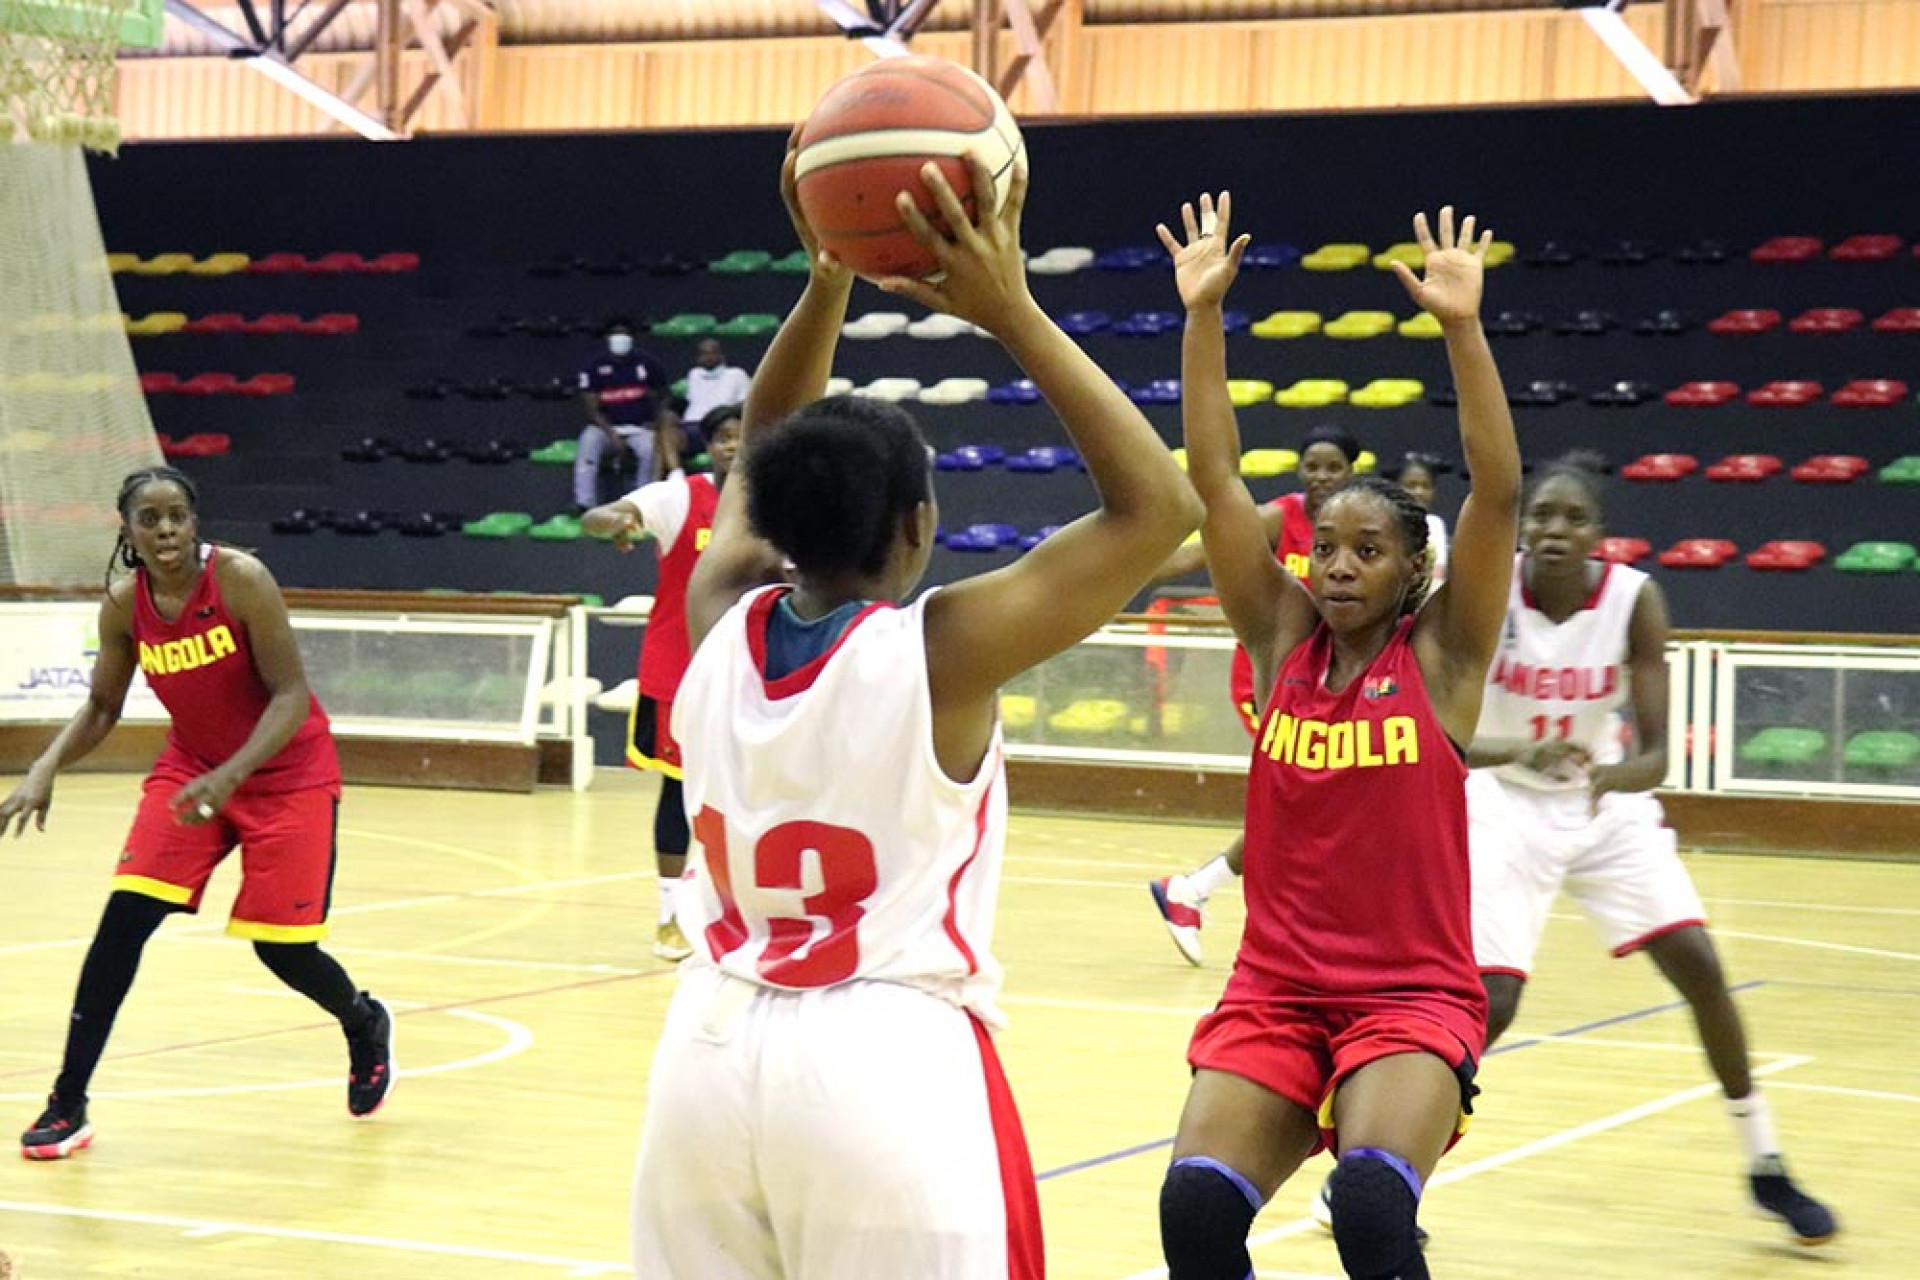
866 142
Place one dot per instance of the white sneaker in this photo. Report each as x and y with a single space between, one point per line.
1180 909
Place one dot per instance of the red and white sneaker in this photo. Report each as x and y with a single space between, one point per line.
61 1130
1180 908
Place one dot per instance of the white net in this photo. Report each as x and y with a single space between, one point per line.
72 418
57 68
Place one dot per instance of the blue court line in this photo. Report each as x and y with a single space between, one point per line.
1512 1046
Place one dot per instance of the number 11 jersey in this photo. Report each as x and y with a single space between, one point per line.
829 846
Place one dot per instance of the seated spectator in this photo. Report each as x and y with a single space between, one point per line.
711 382
623 391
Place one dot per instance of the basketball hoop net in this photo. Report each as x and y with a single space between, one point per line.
56 66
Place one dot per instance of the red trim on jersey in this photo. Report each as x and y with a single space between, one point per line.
800 680
952 920
1593 597
1647 939
1026 1254
1501 969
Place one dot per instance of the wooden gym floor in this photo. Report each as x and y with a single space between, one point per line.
511 935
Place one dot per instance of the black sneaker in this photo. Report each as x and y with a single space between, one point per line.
1773 1191
61 1130
370 1053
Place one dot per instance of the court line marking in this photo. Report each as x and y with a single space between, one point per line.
1877 1094
519 1040
1817 906
1846 948
1539 1146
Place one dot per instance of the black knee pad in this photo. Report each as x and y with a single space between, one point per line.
670 833
1205 1210
1376 1197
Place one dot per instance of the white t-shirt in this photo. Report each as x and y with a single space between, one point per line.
709 389
663 507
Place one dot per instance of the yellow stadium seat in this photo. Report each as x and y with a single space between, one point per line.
1420 326
1336 257
1388 393
1406 251
1090 715
1287 324
118 262
1360 324
1180 456
219 264
162 264
1263 464
1499 251
1366 464
1019 710
154 325
1245 392
1312 393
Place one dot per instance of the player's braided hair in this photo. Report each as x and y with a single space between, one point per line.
1412 518
1582 467
123 555
829 485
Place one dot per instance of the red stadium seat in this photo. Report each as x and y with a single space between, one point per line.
1745 320
1826 320
388 264
208 384
333 264
1871 393
1788 555
197 445
277 264
1698 553
332 324
1702 395
1866 249
159 384
1623 550
1899 320
1744 468
1661 468
1786 394
274 322
1831 468
1788 249
265 384
215 322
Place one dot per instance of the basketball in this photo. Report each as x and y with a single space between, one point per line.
866 142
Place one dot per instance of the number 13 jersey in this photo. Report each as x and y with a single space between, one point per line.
828 844
1564 681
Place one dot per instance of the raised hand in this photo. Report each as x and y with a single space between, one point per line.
1455 268
30 800
1206 265
826 268
983 277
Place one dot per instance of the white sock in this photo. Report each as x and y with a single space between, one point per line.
1753 1121
1210 878
666 899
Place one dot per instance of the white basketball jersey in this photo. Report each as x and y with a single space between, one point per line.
1563 681
827 843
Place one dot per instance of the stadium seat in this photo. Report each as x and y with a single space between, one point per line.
429 451
1786 555
273 323
1621 550
1336 257
1544 393
1902 470
1745 321
332 324
498 524
1019 391
895 389
1701 253
276 264
338 263
1235 322
1360 325
1660 468
1698 553
1287 324
982 537
1788 249
1247 392
161 264
1406 251
669 265
1866 249
1744 468
560 528
955 391
494 453
1500 252
1831 468
1131 258
939 325
748 324
159 384
1157 391
1628 253
118 263
201 444
688 324
265 384
1695 395
1388 393
1786 394
1444 396
796 263
1871 393
561 453
1898 320
1783 745
970 457
1148 324
1587 324
208 384
1270 257
1551 253
1043 459
1090 716
1082 323
1423 325
839 386
1018 711
1665 323
1061 260
391 264
1819 320
874 324
1624 394
1512 324
368 449
1881 750
741 262
218 264
1312 393
1028 541
1877 557
156 324
1264 464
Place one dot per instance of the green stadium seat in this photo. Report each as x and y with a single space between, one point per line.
1902 470
498 524
1783 745
750 324
794 264
741 262
1882 749
1877 557
561 453
560 528
688 324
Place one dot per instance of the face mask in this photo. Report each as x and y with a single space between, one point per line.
619 343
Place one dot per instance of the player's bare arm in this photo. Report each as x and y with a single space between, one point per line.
1646 766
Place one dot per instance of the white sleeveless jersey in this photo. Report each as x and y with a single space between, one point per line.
828 845
1565 681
